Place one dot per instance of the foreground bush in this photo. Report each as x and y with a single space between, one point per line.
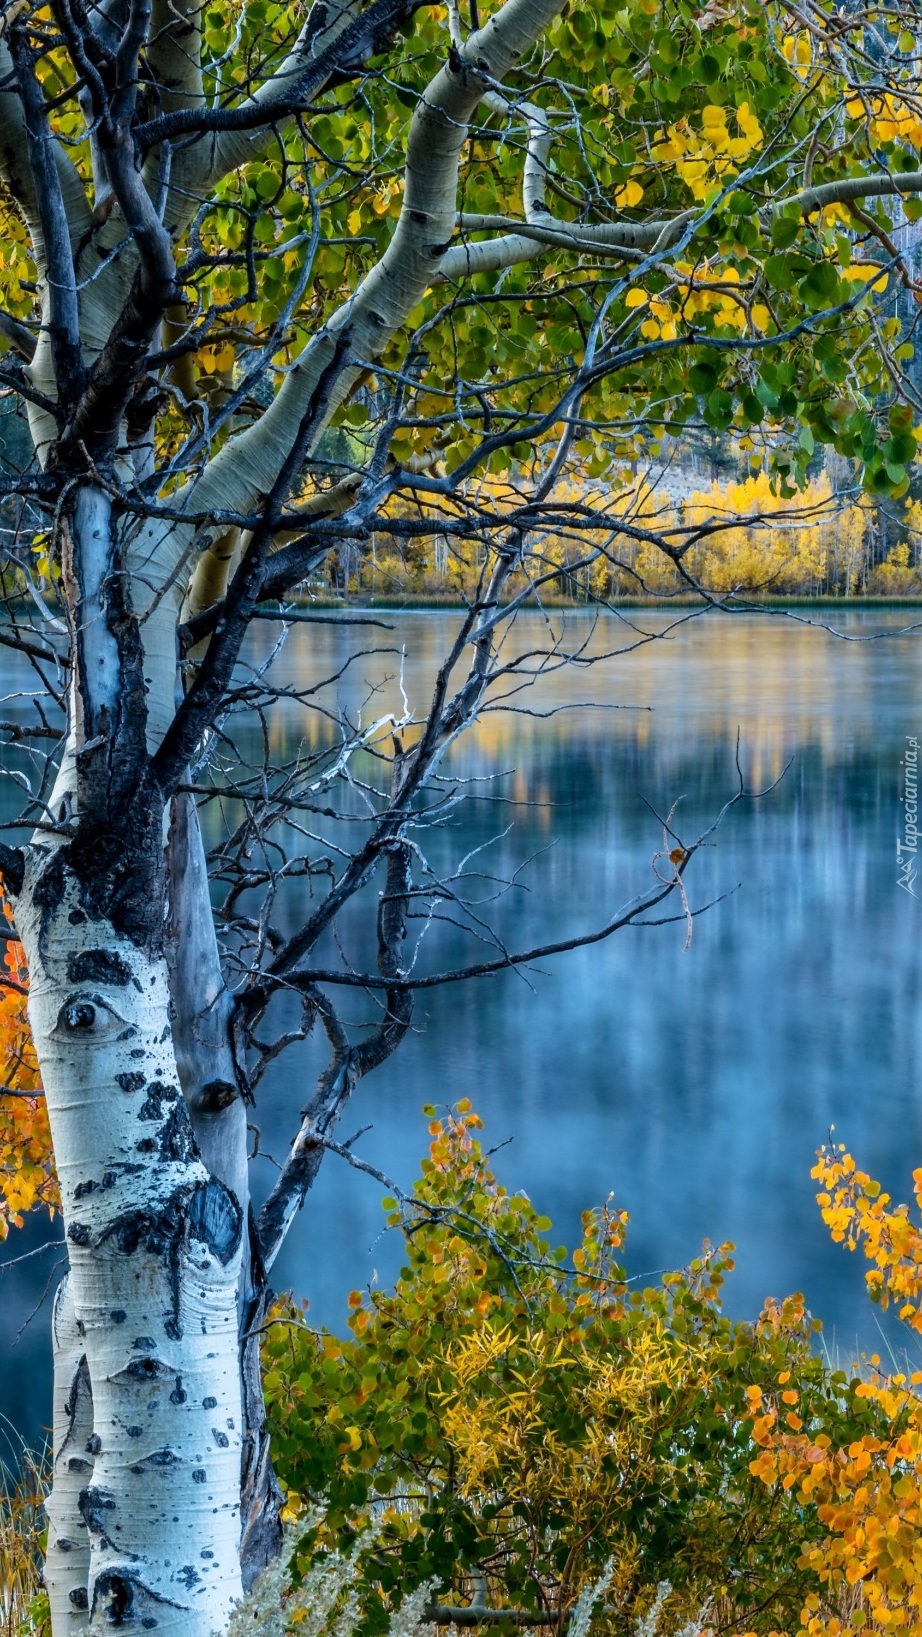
512 1420
864 1492
516 1428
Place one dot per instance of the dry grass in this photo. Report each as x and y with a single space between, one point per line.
23 1610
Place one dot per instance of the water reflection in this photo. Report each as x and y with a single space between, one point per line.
694 1086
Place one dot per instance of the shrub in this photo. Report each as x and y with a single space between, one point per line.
514 1418
865 1491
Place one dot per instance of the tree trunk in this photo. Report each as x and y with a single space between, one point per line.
67 1559
164 1502
210 1082
155 1244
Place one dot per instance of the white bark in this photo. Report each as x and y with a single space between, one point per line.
201 1010
67 1558
155 1246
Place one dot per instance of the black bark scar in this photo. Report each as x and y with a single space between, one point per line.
126 1599
100 966
157 1094
47 896
218 1094
94 1502
176 1140
216 1218
206 1211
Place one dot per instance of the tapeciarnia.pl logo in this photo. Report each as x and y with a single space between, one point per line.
907 847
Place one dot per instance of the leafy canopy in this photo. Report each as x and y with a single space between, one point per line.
718 142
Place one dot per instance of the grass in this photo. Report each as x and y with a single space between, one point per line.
23 1606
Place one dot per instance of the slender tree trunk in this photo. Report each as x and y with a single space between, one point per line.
155 1246
145 1505
210 1081
160 1436
164 1502
67 1559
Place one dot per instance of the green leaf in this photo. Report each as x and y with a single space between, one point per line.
752 408
785 230
782 271
702 377
766 392
719 411
821 287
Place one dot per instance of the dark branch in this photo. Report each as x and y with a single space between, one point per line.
64 315
347 56
18 335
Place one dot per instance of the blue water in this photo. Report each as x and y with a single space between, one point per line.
694 1086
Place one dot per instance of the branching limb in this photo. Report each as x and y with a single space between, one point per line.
384 299
56 254
19 336
335 42
198 708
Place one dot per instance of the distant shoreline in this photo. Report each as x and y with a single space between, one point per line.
753 604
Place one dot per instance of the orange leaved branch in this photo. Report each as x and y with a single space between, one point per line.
27 1176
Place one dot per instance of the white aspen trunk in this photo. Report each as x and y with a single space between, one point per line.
67 1557
201 1008
155 1245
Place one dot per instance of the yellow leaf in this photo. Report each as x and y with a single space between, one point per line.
630 194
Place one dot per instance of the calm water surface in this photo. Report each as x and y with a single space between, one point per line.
693 1086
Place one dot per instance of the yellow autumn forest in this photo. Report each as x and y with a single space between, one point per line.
755 541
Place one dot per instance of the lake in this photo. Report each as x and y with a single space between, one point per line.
694 1086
